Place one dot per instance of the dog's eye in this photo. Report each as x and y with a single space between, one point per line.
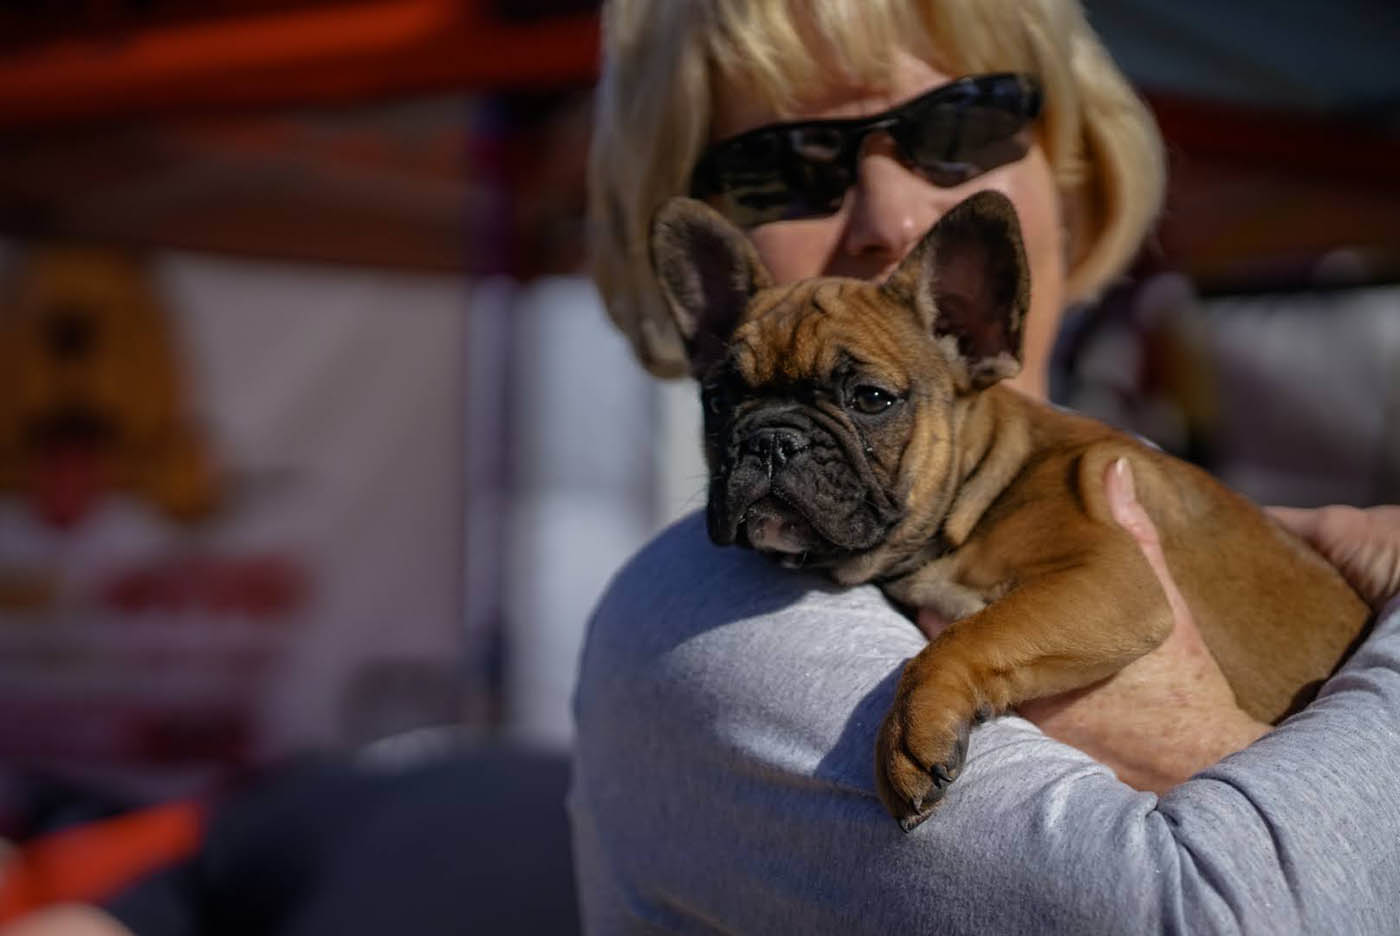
871 400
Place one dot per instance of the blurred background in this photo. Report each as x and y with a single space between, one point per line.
360 449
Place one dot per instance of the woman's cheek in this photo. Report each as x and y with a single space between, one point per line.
1031 188
795 250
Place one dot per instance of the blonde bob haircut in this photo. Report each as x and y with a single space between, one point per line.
663 59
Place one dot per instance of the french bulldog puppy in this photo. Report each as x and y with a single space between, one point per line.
858 427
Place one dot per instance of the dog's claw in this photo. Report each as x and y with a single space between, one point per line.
911 822
911 791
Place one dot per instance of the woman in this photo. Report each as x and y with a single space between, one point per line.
727 709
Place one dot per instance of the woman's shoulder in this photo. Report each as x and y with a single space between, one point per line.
681 565
681 589
690 637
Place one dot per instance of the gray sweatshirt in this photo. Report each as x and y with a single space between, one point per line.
723 782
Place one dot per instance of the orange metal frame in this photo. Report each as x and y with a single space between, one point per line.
1340 176
90 862
359 49
339 52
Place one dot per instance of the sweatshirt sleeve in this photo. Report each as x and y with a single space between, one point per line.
723 781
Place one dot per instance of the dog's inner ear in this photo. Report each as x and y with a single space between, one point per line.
969 284
708 271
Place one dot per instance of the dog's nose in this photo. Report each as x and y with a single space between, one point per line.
776 445
69 333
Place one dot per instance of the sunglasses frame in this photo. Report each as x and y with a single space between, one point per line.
712 176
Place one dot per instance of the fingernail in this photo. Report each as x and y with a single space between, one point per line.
1125 475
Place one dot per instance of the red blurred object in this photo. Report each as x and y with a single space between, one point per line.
1252 192
313 54
269 586
96 860
69 484
1257 195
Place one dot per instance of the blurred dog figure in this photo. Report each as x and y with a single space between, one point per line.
90 390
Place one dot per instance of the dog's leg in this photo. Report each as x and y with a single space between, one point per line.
1064 629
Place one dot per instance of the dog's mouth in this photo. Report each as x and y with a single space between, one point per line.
784 526
772 526
68 446
791 483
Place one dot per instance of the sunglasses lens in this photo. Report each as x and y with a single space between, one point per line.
781 175
817 144
817 174
789 171
954 141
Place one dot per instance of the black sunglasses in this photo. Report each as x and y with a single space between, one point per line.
802 169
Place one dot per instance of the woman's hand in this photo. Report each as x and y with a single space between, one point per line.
1166 715
1364 545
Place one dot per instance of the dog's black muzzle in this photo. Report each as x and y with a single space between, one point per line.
788 467
774 446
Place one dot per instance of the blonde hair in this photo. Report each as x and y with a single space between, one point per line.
663 58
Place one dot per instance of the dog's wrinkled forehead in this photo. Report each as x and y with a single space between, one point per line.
804 333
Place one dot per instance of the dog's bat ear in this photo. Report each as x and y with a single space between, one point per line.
708 270
969 283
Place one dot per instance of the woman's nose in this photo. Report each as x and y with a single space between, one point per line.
891 207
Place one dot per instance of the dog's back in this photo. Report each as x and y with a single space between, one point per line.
1276 616
1274 645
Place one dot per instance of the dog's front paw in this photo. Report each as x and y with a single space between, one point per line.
916 759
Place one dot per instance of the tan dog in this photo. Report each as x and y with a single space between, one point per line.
90 390
856 427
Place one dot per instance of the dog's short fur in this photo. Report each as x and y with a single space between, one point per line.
857 427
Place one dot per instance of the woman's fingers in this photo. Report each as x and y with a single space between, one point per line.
1129 514
931 622
1364 545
